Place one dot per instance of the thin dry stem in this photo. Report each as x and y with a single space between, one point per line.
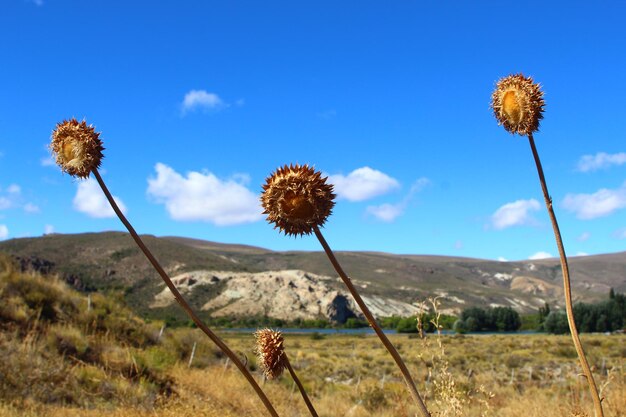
223 347
372 321
566 285
305 397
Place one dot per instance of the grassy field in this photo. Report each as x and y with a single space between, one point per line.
529 375
65 354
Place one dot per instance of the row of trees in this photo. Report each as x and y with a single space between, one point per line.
476 319
606 316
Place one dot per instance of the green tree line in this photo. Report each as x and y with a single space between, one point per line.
496 319
605 316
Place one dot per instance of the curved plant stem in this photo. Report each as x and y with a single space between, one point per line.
231 355
566 285
305 397
372 321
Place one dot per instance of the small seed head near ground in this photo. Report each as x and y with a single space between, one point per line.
271 352
517 103
77 147
296 198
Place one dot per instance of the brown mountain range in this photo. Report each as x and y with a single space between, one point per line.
239 280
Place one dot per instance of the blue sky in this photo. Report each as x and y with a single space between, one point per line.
199 101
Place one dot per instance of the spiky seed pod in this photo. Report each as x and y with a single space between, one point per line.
271 352
77 147
517 103
296 198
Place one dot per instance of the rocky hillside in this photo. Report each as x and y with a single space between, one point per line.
239 280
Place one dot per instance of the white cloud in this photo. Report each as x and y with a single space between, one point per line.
581 254
91 201
458 245
599 204
4 232
516 213
601 160
389 212
540 255
502 259
11 197
5 203
48 229
386 212
31 208
620 234
362 184
47 161
201 99
583 237
204 197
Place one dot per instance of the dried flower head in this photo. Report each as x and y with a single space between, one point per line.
517 103
297 198
271 352
77 147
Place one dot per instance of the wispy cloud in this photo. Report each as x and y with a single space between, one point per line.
47 161
516 213
388 212
202 100
31 208
204 197
48 229
5 203
601 160
8 196
90 200
599 204
362 184
540 255
584 236
620 234
4 232
11 197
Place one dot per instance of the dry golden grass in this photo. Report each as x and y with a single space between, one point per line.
61 359
521 375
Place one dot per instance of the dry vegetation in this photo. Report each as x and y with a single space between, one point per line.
60 358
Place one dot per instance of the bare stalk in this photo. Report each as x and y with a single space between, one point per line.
305 397
566 285
224 348
372 321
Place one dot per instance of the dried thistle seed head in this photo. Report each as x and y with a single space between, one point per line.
517 103
77 147
271 352
297 198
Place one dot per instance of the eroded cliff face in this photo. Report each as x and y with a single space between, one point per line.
287 294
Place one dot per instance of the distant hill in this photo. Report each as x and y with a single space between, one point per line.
228 280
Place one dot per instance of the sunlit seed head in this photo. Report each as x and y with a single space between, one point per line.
270 351
518 104
296 199
77 147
